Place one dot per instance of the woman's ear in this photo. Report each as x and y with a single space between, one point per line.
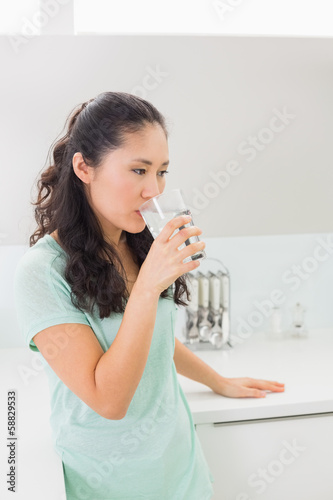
81 169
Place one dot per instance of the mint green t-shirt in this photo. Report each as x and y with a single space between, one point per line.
153 453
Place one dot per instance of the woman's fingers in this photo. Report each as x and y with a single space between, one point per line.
246 387
267 385
171 226
255 393
257 388
238 390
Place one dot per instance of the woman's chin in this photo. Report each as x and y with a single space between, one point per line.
138 227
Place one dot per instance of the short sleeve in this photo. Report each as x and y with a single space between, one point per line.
42 295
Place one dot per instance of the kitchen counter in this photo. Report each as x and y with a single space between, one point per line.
303 365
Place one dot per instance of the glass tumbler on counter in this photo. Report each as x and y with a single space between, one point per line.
160 209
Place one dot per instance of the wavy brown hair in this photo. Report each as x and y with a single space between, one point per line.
94 128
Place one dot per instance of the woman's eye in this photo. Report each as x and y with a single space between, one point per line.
163 172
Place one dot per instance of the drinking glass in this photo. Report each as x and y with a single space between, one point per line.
160 209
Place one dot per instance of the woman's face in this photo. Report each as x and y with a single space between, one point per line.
128 177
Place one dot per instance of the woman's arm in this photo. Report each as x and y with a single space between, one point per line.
191 366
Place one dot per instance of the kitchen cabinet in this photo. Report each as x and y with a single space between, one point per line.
287 458
38 468
274 448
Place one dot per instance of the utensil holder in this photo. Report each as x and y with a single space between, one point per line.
209 327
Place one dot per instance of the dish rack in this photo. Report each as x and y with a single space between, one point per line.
208 312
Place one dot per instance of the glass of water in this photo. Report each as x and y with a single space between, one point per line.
158 211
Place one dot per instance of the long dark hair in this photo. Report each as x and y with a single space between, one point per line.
95 128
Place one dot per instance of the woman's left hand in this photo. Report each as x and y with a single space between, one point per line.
245 387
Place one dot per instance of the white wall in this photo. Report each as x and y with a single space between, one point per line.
216 92
287 17
268 271
255 17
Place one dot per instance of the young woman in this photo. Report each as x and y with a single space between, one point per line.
97 297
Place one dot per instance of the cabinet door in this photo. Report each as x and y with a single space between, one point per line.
288 458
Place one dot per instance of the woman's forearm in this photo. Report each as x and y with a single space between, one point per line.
191 366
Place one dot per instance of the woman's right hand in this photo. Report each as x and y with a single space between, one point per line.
164 262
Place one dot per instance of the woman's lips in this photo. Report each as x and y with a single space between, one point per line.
137 212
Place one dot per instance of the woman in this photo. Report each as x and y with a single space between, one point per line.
97 297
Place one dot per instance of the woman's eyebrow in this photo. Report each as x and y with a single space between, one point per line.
147 162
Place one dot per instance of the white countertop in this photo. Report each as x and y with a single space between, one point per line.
303 365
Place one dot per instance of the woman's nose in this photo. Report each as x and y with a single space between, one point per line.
151 188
